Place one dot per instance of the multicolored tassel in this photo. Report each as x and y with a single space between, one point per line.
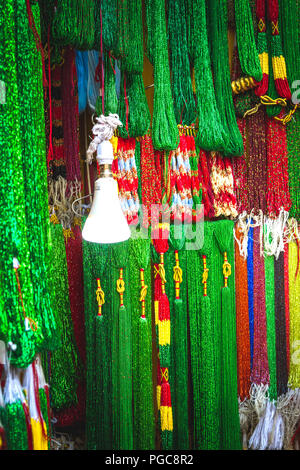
162 312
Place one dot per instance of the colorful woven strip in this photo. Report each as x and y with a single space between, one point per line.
260 369
242 322
278 196
294 292
280 324
250 291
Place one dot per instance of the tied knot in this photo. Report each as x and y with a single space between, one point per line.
160 271
226 269
100 296
268 101
205 275
177 274
143 293
120 286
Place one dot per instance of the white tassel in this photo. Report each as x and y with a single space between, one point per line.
275 236
260 437
246 417
277 434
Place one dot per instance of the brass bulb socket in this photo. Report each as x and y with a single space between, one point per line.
105 171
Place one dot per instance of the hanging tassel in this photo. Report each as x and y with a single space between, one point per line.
141 316
262 47
207 396
160 241
124 361
278 61
164 331
260 437
144 402
230 416
248 56
101 360
166 415
180 357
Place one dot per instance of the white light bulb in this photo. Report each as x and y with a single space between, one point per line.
106 222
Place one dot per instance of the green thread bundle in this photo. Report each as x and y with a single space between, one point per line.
64 360
211 134
290 31
133 107
293 147
121 350
181 81
133 61
229 404
50 332
13 416
179 341
194 300
12 243
74 24
29 77
19 293
110 101
248 54
102 354
120 50
143 406
96 259
165 134
271 332
15 426
110 94
108 10
208 343
220 64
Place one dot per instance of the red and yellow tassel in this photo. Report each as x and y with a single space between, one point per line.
262 48
163 328
278 60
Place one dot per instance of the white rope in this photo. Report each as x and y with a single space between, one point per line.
102 130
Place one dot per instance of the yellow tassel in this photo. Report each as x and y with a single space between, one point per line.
264 62
294 297
40 441
158 394
156 311
279 67
164 332
166 418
